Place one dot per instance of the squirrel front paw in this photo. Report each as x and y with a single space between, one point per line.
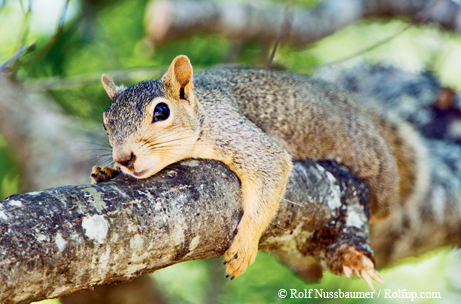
240 255
102 174
355 261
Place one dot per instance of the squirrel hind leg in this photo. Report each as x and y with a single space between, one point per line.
102 174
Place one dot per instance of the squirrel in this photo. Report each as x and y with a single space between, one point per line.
256 121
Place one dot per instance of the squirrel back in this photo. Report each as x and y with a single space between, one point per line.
313 119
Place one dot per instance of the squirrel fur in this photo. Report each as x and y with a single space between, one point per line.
256 121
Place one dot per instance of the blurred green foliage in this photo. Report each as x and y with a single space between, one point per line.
9 177
189 283
103 36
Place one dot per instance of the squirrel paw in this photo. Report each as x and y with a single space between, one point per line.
355 261
240 255
102 174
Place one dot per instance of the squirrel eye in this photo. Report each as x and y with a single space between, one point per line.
161 112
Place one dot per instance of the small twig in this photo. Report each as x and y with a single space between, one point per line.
2 4
424 15
9 64
284 31
420 17
405 27
26 25
13 59
21 2
63 16
46 47
119 76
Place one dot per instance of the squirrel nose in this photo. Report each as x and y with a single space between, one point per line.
126 160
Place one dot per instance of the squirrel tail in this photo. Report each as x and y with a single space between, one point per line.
410 154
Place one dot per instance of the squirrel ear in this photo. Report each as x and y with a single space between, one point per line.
178 79
110 87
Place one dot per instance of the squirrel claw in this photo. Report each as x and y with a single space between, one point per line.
368 280
102 174
375 276
230 260
366 274
239 256
355 261
347 272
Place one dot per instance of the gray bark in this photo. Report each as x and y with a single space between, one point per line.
57 241
171 19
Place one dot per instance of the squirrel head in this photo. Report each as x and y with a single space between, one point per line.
154 123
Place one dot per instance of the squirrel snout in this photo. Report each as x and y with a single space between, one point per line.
125 160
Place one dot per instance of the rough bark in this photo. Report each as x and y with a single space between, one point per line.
171 19
57 241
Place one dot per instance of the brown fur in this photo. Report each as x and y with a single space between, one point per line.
255 121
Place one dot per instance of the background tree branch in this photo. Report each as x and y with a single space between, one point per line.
173 19
47 143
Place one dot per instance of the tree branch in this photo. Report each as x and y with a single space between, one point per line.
13 59
172 19
57 241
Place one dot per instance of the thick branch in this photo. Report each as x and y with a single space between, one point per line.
168 19
61 240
